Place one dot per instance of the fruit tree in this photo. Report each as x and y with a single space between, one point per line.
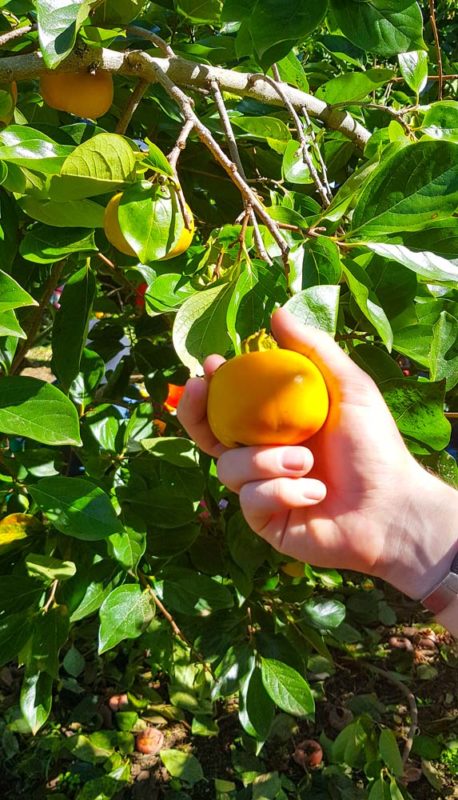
170 173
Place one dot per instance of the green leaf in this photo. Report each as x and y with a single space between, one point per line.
417 408
287 688
323 614
12 295
36 699
9 326
50 632
58 25
200 326
45 245
37 410
361 289
74 214
271 129
71 325
17 593
102 164
294 168
321 264
416 185
48 568
156 160
317 306
124 614
162 508
353 86
388 749
150 219
428 265
256 709
379 790
29 148
173 449
76 507
444 354
15 630
414 69
276 27
385 27
127 547
194 594
441 121
182 765
376 362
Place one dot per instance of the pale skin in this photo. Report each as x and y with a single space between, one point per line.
352 497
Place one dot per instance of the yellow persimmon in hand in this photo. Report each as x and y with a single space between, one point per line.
270 397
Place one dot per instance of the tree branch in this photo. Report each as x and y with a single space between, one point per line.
132 105
188 73
180 143
16 33
432 14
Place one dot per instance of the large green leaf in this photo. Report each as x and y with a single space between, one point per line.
444 351
428 265
414 69
150 219
321 263
441 121
361 289
72 214
200 326
385 27
256 711
45 245
36 699
37 410
71 325
76 507
418 409
352 86
317 306
15 630
125 614
18 592
100 165
182 765
193 594
50 631
12 295
287 688
58 25
416 185
276 27
27 147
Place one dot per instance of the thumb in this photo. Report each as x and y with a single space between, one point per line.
338 370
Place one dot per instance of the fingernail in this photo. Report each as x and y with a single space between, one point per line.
294 458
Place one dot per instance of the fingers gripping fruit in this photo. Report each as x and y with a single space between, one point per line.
85 93
269 397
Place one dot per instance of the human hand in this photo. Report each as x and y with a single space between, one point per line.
354 497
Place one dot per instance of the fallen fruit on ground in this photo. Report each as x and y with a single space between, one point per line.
87 94
270 397
149 741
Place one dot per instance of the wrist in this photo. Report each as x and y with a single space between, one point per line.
422 539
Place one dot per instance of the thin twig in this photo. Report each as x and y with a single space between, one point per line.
235 155
453 77
16 33
317 149
219 155
432 14
52 596
300 132
135 30
36 315
175 628
396 113
411 701
130 109
180 143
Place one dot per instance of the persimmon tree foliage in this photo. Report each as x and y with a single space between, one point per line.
313 147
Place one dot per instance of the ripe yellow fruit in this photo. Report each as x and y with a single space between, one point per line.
112 227
295 569
84 93
184 239
270 397
116 237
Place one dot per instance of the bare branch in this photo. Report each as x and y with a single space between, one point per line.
432 15
300 132
317 149
135 30
180 143
188 73
235 155
130 109
16 33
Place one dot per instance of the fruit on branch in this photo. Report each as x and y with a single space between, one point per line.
87 93
8 101
112 227
270 397
116 237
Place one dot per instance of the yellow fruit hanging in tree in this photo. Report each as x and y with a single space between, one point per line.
87 93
